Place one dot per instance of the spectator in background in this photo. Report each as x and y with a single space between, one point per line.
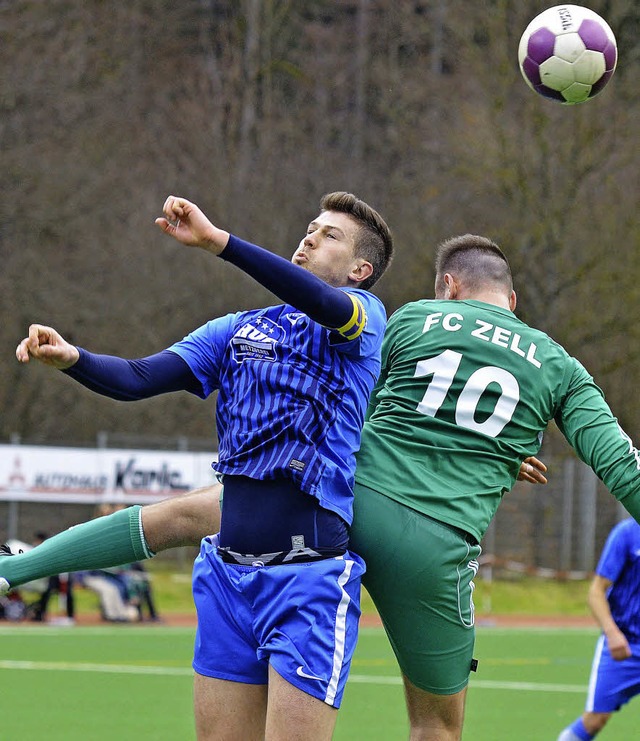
109 584
113 607
139 585
131 580
31 601
62 585
12 606
614 600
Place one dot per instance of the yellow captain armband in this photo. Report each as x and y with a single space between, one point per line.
356 324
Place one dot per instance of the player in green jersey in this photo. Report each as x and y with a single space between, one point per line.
465 394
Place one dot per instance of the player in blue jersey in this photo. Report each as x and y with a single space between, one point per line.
138 532
277 592
614 600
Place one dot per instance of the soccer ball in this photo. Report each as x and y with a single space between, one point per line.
568 54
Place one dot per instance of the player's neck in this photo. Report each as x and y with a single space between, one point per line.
496 298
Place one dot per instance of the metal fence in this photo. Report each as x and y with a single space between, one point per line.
555 531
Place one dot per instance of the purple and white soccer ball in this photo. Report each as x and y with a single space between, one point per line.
567 53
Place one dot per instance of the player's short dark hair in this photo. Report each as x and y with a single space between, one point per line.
478 260
374 242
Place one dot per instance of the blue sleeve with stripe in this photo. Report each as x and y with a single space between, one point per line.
363 336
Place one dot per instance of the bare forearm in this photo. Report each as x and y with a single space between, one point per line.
599 607
617 642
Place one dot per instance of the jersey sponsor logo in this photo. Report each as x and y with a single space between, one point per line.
295 317
256 340
301 673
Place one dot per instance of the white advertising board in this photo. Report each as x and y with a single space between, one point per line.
87 475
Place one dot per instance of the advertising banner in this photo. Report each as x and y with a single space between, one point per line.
88 475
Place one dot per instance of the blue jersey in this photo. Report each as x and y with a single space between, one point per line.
620 563
292 394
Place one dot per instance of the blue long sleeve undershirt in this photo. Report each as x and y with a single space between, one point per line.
132 380
323 303
164 372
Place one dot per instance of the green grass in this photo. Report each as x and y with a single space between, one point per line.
527 595
82 685
530 596
124 682
532 683
135 682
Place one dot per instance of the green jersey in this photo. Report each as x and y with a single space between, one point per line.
465 393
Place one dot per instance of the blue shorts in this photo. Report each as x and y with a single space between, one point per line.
612 683
302 619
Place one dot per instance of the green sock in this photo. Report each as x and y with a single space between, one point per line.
107 541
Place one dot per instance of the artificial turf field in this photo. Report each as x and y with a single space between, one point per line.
134 682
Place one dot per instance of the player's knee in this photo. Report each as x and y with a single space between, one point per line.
433 716
435 729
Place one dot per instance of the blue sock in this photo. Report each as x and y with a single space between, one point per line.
580 731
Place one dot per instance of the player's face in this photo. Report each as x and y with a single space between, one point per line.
328 249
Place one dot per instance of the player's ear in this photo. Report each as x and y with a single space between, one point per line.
450 286
362 270
513 301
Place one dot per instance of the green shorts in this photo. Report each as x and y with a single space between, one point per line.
420 576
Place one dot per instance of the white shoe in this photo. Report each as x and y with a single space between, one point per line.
4 584
61 621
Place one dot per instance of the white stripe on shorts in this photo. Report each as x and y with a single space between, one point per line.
340 633
595 665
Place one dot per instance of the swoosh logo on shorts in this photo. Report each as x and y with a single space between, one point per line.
301 673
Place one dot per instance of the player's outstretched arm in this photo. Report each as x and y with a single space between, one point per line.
532 470
323 303
47 346
186 223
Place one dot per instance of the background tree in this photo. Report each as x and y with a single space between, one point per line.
254 109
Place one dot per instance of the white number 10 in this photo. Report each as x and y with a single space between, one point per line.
443 367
